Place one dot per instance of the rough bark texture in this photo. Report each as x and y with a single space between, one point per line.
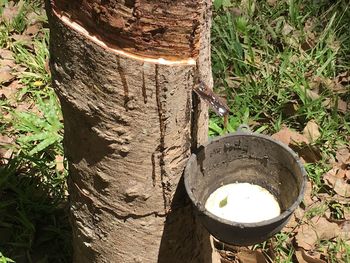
129 129
167 28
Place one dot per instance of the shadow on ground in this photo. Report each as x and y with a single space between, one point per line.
34 223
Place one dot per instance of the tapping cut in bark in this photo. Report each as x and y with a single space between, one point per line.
167 36
130 121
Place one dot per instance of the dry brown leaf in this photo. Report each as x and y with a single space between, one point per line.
335 198
346 213
59 163
347 174
6 54
283 135
304 257
318 229
47 66
5 148
7 63
308 195
339 185
306 237
342 106
287 29
272 2
308 153
251 256
315 83
32 30
334 86
312 94
295 219
298 138
9 91
343 78
343 155
337 172
9 12
345 230
311 131
288 136
21 38
307 44
299 143
6 77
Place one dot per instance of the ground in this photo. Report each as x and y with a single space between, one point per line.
282 66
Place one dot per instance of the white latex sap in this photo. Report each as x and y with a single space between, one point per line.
243 203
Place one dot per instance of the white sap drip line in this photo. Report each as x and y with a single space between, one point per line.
75 26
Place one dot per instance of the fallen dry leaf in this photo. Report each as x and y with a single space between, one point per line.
304 257
299 143
346 213
334 86
311 131
5 148
33 30
9 12
308 153
339 185
59 163
308 195
312 94
343 155
9 92
251 256
345 230
319 228
336 172
288 136
335 198
6 77
7 63
295 220
343 78
272 2
25 39
342 106
6 54
315 83
287 29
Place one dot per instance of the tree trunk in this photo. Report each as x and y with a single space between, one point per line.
124 73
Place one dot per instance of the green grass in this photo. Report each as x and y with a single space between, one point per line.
265 59
33 207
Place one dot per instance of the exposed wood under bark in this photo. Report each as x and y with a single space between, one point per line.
167 28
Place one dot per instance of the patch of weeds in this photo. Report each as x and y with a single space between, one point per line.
4 259
316 210
338 251
34 59
285 64
284 249
33 201
42 130
33 218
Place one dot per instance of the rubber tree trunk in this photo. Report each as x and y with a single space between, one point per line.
124 73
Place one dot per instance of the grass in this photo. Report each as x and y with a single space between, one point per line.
267 56
33 213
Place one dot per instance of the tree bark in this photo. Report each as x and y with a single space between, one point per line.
130 122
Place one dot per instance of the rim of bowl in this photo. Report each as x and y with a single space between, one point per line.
281 216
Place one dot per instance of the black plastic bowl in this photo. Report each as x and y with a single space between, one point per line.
245 157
